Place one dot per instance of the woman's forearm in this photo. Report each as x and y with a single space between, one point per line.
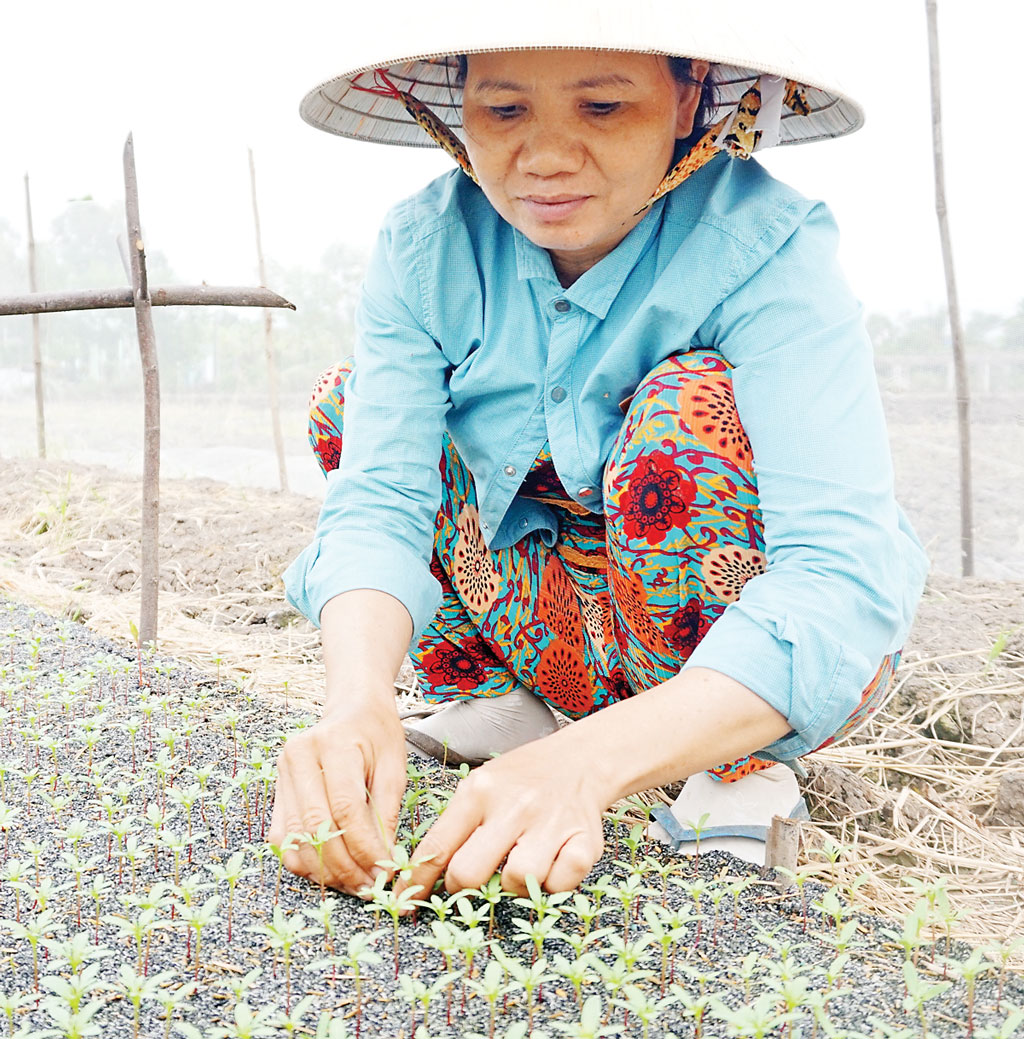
365 636
696 720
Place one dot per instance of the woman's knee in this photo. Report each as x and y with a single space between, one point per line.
326 413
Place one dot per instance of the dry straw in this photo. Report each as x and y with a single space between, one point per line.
911 800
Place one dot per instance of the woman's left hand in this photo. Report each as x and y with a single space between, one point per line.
532 808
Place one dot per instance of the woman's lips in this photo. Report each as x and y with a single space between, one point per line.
554 208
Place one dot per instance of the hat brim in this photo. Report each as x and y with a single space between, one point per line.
339 107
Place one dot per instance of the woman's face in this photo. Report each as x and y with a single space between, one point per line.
568 145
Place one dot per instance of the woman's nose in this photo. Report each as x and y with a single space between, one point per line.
547 151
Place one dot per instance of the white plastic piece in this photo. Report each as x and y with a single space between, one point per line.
752 800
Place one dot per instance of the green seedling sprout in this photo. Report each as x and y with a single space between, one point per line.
247 1024
414 991
138 927
32 931
666 932
695 1006
578 971
170 998
283 933
395 904
444 939
968 971
643 1005
290 843
492 893
196 917
138 987
529 979
358 954
634 841
10 1004
591 1023
15 873
492 987
1003 952
230 873
698 826
1009 1029
537 931
627 893
316 840
290 1023
756 1020
919 992
72 1024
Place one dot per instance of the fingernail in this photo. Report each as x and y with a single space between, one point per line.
377 872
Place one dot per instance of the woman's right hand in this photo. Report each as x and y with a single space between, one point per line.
347 770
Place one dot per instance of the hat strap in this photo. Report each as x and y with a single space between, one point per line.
433 124
736 132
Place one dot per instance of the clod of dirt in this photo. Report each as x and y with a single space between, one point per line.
1009 809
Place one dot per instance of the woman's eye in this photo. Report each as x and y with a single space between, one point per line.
504 111
603 107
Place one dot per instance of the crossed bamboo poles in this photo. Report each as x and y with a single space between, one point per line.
142 298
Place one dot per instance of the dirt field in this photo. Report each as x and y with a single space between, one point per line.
934 787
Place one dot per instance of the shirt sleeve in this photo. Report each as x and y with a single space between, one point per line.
843 573
376 526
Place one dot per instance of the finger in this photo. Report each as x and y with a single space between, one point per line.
287 822
533 856
387 788
574 861
462 816
479 857
313 802
346 799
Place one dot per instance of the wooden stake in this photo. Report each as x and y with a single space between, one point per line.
268 342
782 846
963 394
37 352
150 562
111 299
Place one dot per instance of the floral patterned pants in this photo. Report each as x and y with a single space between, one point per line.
621 600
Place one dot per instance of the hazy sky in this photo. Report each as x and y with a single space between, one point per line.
199 83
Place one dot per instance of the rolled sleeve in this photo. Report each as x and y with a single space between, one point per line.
377 522
843 573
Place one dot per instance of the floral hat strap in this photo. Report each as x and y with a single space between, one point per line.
430 122
751 125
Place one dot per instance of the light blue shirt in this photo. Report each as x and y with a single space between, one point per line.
464 326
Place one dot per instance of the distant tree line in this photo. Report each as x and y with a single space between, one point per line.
201 350
221 351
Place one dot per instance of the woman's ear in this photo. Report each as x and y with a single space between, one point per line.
689 98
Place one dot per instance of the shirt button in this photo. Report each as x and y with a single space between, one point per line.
606 395
524 523
585 492
510 470
563 306
558 394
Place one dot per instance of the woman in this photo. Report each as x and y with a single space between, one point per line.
664 499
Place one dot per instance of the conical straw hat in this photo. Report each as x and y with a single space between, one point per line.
416 43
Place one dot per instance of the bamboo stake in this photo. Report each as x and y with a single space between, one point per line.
955 324
37 353
268 342
149 563
111 299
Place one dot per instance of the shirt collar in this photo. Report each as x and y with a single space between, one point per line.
596 289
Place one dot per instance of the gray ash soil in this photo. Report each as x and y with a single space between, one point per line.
65 698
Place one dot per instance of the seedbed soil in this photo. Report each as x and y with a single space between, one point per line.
109 762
